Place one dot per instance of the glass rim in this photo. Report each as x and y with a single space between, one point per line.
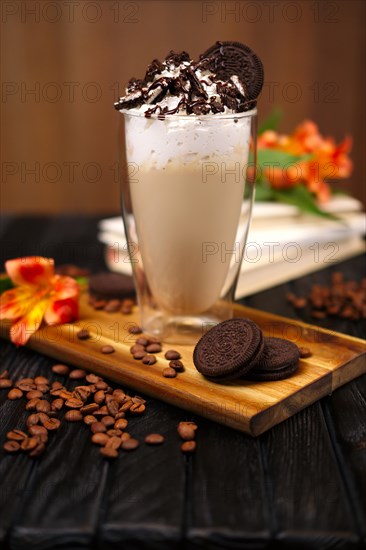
210 117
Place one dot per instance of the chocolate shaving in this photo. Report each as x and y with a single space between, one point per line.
236 79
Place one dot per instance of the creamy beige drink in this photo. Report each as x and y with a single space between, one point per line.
187 193
188 128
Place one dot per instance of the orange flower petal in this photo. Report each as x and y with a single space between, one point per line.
64 287
23 329
15 303
62 311
32 270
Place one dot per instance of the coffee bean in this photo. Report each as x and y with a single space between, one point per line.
154 340
57 404
126 406
55 392
138 355
5 383
126 310
32 419
114 432
102 411
135 329
16 435
149 360
52 424
188 447
77 374
125 436
129 444
43 388
153 348
300 303
114 442
138 399
108 452
120 415
137 408
57 386
108 421
82 393
31 405
112 306
168 372
99 397
83 334
90 408
33 394
38 451
43 417
154 439
62 370
41 380
43 406
186 431
101 385
98 427
100 438
65 394
318 314
74 403
128 302
137 348
142 341
25 387
99 304
14 394
4 374
176 365
29 443
92 378
112 407
121 424
172 354
89 419
41 438
304 352
73 415
107 349
11 446
37 430
25 381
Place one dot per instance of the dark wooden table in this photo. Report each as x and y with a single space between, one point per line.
300 485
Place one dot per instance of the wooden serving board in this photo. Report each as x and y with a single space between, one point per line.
251 407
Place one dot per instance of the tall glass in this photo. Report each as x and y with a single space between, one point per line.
187 199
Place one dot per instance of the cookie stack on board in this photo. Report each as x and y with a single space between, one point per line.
237 348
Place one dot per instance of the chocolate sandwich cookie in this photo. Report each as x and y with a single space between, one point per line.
279 360
229 349
106 286
233 59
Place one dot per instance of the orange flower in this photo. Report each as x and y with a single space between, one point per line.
328 161
38 294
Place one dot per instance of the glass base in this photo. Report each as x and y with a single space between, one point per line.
182 329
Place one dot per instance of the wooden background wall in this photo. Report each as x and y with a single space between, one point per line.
63 63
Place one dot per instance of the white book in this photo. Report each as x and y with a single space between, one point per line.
282 244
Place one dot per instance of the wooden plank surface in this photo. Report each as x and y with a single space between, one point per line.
252 407
284 467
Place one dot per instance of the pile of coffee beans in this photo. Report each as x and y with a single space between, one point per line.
342 299
94 403
145 348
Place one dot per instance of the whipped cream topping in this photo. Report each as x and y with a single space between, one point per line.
180 85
